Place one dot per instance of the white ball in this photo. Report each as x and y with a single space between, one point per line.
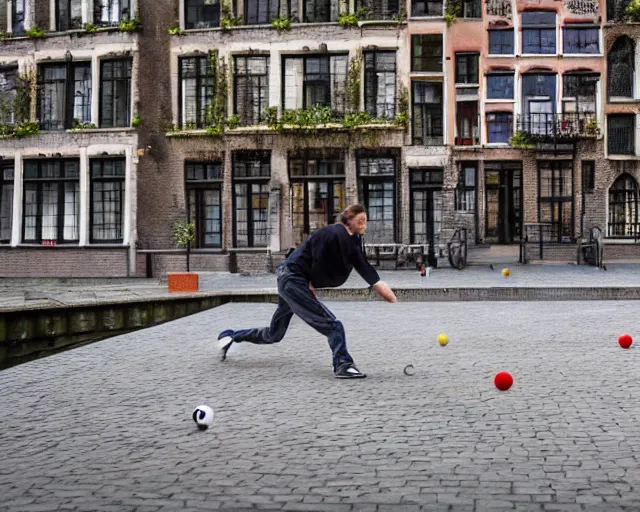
203 416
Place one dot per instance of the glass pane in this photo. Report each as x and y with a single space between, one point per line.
298 213
71 209
49 212
30 211
318 205
6 210
212 218
242 215
260 213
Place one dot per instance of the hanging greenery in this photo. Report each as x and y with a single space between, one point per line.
351 20
227 19
452 11
20 109
130 25
282 24
353 82
402 117
35 33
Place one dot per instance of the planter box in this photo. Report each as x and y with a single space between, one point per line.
182 282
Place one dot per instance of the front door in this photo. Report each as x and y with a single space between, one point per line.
503 193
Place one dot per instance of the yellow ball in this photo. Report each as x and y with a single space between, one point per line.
443 339
506 272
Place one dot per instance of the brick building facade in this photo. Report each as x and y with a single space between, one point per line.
259 120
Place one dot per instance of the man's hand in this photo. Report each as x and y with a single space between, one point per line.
313 290
382 289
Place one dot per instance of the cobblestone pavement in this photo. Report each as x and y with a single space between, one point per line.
107 427
50 292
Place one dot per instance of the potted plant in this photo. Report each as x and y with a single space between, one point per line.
185 236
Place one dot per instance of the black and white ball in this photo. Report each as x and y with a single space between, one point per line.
203 416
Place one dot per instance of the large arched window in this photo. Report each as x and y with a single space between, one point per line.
623 207
621 68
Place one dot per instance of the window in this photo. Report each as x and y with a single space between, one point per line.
379 9
555 198
501 42
69 15
64 95
621 64
107 200
260 12
426 205
109 13
204 201
581 40
427 114
8 95
251 174
500 86
467 68
376 185
623 207
6 201
318 190
471 9
316 81
466 189
320 11
621 134
51 201
579 101
18 17
426 52
427 8
380 84
539 103
251 88
539 32
197 89
115 93
499 127
588 175
467 132
202 13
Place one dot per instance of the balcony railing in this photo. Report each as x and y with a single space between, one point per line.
574 125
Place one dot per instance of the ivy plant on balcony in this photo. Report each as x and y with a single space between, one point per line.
521 140
175 30
35 33
130 25
351 20
90 28
282 24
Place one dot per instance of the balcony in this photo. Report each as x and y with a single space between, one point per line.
543 127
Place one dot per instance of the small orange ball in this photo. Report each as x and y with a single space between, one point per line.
625 341
506 272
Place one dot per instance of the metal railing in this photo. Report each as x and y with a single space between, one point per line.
558 126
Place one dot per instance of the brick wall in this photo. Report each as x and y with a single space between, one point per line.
63 262
177 262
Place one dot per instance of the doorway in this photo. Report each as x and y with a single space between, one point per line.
503 202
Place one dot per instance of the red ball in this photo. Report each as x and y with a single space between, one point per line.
625 341
503 381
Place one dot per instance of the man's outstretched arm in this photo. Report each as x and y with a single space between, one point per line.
382 289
